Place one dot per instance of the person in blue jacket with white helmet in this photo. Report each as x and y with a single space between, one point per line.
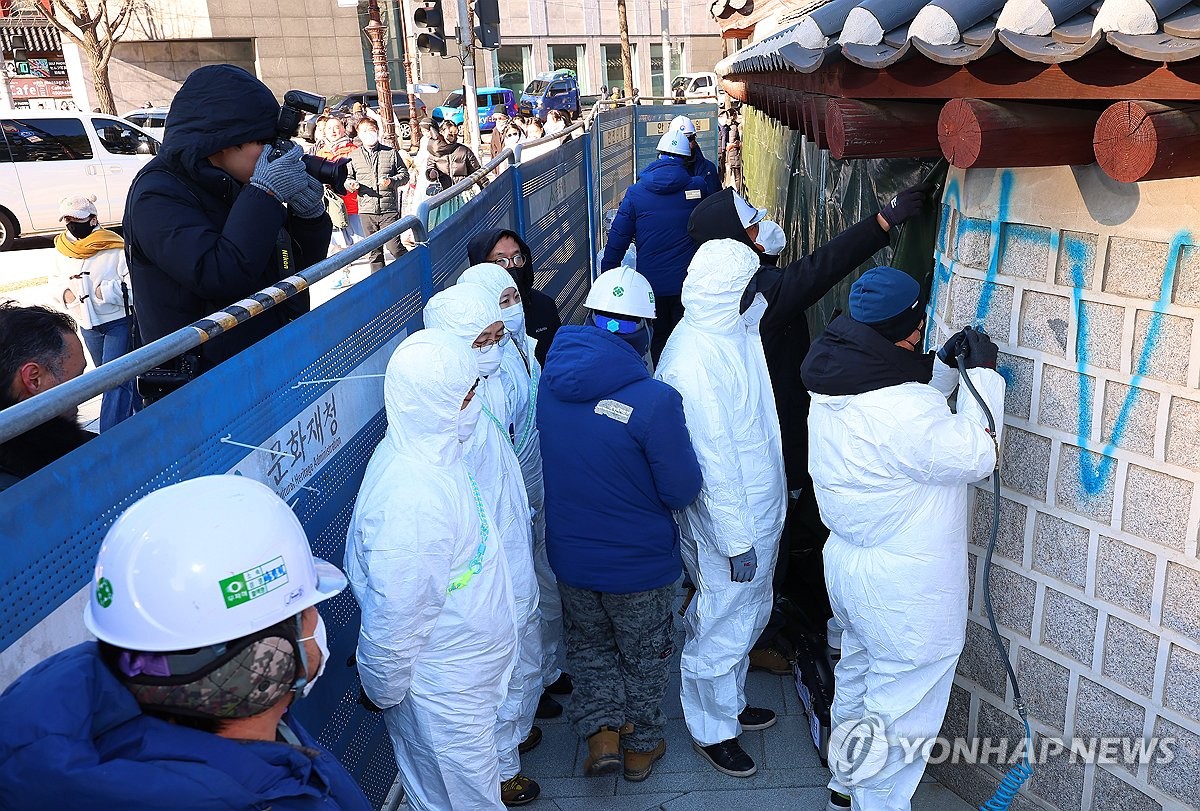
617 460
184 702
654 214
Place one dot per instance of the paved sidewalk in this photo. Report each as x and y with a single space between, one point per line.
790 776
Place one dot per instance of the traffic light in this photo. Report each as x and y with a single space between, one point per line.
431 27
488 30
20 50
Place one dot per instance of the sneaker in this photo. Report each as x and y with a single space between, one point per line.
638 765
519 790
547 708
838 801
753 718
563 686
728 757
531 742
770 660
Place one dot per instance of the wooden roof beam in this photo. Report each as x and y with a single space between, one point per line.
1143 140
893 129
985 134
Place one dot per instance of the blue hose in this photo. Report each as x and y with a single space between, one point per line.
1011 783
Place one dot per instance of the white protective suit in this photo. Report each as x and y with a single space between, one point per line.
714 358
521 374
890 469
466 310
436 659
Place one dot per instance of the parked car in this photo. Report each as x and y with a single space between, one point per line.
46 156
491 100
151 119
558 90
343 103
700 88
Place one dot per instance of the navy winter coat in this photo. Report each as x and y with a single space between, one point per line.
654 214
74 737
197 240
617 459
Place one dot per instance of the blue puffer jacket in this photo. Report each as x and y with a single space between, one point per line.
654 214
196 239
617 459
74 737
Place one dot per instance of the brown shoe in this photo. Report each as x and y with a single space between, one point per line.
518 790
530 742
604 752
770 660
638 765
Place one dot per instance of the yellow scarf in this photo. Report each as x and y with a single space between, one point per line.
99 240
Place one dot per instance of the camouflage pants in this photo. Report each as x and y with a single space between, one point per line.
619 650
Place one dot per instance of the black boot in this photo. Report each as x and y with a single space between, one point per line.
728 757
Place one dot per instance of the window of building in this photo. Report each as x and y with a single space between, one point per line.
613 75
512 66
47 139
569 57
656 69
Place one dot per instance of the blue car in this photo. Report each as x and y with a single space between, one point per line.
491 100
558 90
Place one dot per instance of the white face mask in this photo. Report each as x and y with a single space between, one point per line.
321 638
468 418
488 359
368 137
514 320
754 313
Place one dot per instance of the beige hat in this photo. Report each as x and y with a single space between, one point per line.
77 207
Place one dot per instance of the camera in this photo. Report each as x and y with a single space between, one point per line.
160 381
295 104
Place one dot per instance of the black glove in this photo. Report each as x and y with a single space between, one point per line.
906 204
982 353
954 347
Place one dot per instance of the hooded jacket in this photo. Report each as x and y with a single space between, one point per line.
789 292
450 163
541 313
196 239
655 213
617 460
74 737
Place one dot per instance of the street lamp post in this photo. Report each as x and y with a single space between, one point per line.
375 31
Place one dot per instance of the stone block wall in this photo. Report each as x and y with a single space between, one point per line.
1092 290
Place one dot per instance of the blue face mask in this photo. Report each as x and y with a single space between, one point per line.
636 333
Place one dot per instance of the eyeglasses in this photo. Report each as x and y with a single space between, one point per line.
508 262
487 347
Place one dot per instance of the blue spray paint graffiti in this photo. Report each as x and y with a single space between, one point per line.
989 285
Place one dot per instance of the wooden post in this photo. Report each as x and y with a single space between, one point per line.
984 134
860 129
1144 140
383 84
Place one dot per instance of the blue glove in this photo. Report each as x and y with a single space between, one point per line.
286 179
743 567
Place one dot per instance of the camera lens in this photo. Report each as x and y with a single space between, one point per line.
330 172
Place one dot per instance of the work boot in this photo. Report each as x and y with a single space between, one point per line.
753 718
604 751
728 757
638 765
519 790
563 686
528 745
770 660
547 708
838 801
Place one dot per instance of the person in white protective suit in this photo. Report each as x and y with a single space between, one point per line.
891 463
521 374
423 556
472 314
730 534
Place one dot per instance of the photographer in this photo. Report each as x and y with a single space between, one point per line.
212 220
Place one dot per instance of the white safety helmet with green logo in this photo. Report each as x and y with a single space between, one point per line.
202 562
675 140
621 291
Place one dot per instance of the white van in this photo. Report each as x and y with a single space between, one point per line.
700 88
47 155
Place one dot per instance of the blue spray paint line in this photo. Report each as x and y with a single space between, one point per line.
952 201
1091 476
989 283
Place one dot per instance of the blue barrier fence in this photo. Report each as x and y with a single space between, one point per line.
285 394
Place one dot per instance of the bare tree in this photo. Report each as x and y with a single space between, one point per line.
95 28
626 61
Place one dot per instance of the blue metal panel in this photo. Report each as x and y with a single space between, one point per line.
492 208
614 164
652 122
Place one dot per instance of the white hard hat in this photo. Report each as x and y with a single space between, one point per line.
771 237
747 213
204 561
675 140
621 291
